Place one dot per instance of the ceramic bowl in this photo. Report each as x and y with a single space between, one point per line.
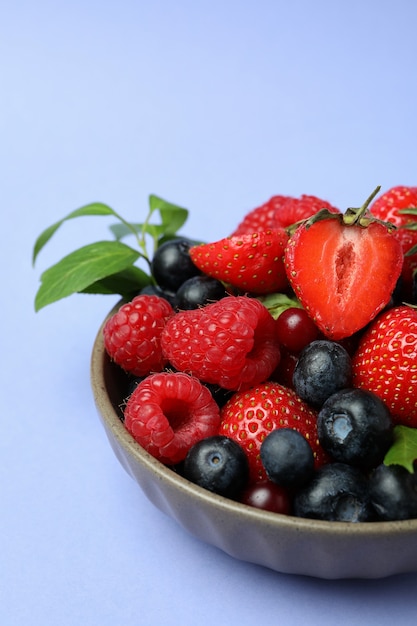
283 543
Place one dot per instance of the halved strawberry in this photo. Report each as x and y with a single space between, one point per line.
249 416
343 269
252 263
386 362
398 205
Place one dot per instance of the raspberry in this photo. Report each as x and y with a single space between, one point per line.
231 343
132 335
168 412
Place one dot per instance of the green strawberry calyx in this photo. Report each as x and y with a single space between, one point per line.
353 216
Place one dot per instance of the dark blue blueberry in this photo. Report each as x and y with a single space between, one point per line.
337 493
397 295
218 464
393 492
154 290
172 264
323 368
287 457
132 383
198 291
354 426
220 395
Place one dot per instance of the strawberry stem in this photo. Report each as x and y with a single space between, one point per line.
358 216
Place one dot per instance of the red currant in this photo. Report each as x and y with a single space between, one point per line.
268 496
295 329
284 372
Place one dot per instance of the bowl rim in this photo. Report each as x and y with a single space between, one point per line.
112 420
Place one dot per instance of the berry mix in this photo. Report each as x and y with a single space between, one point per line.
278 366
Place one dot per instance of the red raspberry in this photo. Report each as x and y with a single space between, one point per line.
169 412
132 336
231 343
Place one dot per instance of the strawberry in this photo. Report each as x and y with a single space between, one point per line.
281 212
249 416
261 218
297 209
386 362
392 207
343 268
252 263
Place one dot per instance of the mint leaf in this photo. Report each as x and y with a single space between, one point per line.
172 215
120 231
96 208
277 303
107 267
80 269
404 449
126 283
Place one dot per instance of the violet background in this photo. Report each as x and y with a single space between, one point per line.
215 106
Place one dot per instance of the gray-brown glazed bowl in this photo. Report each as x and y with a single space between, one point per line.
283 543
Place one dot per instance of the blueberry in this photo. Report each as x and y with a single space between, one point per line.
393 492
323 368
354 426
397 295
154 290
219 394
198 291
218 464
287 457
172 264
337 493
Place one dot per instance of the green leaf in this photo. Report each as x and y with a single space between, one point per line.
80 269
277 303
172 215
96 208
126 283
411 251
404 449
120 231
